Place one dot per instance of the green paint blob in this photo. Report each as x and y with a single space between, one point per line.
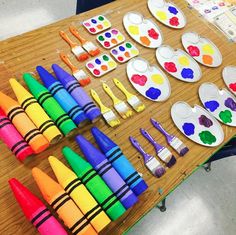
128 45
101 18
101 38
226 116
105 58
207 138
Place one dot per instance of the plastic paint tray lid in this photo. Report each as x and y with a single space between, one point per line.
197 124
167 13
220 103
202 49
148 80
178 64
229 77
143 31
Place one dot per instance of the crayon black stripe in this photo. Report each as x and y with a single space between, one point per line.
43 220
62 203
132 181
73 86
74 187
89 106
86 174
3 119
94 214
58 199
26 104
22 147
115 158
15 112
56 88
46 125
17 144
81 227
71 183
39 214
61 119
75 110
131 176
105 170
113 153
5 124
102 166
90 177
31 134
43 97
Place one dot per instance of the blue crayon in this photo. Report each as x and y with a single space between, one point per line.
78 93
119 162
107 172
62 96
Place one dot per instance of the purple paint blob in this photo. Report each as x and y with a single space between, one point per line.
97 61
93 21
121 48
188 128
173 10
187 73
229 103
108 35
212 105
153 93
114 52
114 31
205 121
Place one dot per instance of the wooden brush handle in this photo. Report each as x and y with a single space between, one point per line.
67 39
108 90
75 32
98 100
67 61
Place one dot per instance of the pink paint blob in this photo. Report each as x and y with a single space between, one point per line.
93 30
87 24
193 50
114 31
96 72
90 65
139 79
232 86
170 67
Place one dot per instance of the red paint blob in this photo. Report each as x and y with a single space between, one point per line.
174 21
170 67
193 51
232 86
140 80
93 30
153 34
107 44
96 72
120 58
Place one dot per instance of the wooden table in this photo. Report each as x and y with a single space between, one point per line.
40 47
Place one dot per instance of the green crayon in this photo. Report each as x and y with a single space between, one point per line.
94 183
50 105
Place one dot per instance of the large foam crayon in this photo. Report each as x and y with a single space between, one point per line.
79 193
50 105
12 138
62 96
36 112
56 196
94 183
35 211
77 92
107 172
23 123
119 162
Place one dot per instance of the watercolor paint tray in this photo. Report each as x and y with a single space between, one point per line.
148 80
124 52
143 31
178 63
197 124
229 77
110 38
97 24
202 49
101 65
220 103
167 13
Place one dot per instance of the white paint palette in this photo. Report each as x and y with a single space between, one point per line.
148 80
220 103
229 76
143 31
110 38
124 52
167 13
97 24
202 49
197 124
178 64
101 65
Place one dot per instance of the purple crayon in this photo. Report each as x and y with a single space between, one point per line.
78 93
107 172
150 162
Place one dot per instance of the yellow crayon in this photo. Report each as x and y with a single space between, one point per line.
79 193
36 112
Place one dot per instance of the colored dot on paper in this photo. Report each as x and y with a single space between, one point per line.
96 72
114 31
114 52
101 38
93 21
134 52
183 60
99 26
104 67
120 37
127 54
114 41
120 58
93 30
161 15
128 45
133 30
111 64
107 44
101 18
90 65
97 61
207 48
145 40
207 59
121 48
157 78
105 58
106 24
108 35
87 24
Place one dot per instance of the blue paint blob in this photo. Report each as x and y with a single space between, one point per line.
153 93
212 105
173 10
187 73
108 35
121 48
97 61
94 21
188 128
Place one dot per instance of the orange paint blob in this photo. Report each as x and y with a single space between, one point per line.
207 59
99 26
145 40
114 41
104 67
127 54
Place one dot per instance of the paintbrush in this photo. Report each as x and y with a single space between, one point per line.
79 74
90 47
150 162
119 105
162 152
172 140
77 50
107 113
133 100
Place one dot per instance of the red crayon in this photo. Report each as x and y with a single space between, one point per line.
12 138
35 211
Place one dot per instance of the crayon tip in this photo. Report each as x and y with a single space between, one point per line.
47 78
6 102
62 75
34 86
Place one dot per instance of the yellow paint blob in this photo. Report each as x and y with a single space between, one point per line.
106 23
161 15
120 37
183 60
157 78
133 30
134 52
208 49
112 64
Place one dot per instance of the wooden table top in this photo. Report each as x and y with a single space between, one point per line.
40 47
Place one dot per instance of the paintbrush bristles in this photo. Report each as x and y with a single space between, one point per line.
111 118
179 146
155 167
137 105
123 110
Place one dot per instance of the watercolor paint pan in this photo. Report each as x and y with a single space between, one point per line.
178 63
148 80
197 124
101 65
124 52
144 31
220 103
167 13
110 38
229 77
97 24
201 49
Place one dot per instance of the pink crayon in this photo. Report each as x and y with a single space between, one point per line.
12 138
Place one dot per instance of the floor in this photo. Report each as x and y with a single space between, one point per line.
204 204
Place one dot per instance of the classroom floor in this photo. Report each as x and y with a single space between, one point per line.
205 204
